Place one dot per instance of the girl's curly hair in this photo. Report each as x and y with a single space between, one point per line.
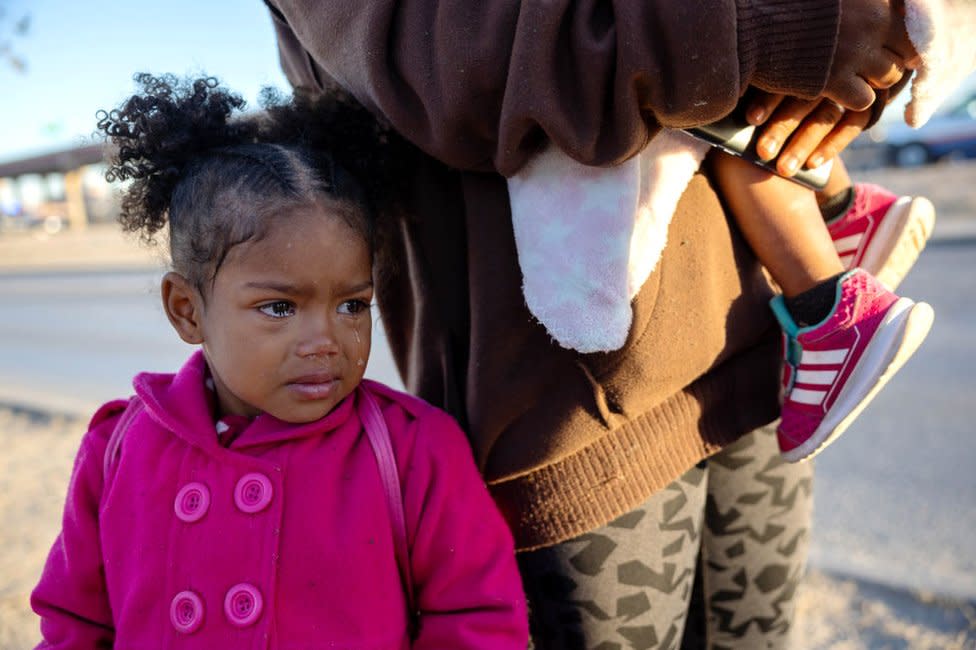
219 178
341 136
158 132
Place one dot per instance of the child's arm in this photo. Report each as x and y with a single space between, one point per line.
71 597
466 582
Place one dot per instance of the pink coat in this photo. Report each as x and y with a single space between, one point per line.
281 540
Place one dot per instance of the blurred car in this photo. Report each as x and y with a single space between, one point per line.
50 224
950 133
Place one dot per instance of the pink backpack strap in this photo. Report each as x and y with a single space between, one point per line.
379 438
133 409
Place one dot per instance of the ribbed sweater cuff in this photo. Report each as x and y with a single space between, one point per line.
624 468
788 45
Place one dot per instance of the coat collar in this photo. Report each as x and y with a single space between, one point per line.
181 404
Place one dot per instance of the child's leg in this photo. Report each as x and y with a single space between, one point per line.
838 182
845 335
872 228
782 223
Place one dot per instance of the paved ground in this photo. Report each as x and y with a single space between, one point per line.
101 246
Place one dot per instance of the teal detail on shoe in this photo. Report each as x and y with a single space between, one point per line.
778 305
786 322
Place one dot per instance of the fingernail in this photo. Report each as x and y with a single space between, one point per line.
756 115
791 164
768 148
816 160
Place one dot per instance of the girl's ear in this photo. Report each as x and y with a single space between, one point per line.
184 307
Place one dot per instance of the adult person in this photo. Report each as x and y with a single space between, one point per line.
597 460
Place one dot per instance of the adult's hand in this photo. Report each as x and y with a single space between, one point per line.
873 51
803 133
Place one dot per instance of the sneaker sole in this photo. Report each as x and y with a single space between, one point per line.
901 333
903 234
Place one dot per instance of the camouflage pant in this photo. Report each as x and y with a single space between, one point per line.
630 583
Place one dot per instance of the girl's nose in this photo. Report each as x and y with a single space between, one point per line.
318 347
318 339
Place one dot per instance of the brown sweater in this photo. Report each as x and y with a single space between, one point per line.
566 441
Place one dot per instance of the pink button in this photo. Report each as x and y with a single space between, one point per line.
186 612
243 604
253 492
192 502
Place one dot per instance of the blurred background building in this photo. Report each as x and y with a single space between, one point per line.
61 62
56 190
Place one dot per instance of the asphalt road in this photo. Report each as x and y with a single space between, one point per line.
895 497
72 340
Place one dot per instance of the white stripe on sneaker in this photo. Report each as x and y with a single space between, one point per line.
849 243
823 357
816 377
807 396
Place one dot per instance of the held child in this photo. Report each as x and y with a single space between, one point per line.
239 502
845 332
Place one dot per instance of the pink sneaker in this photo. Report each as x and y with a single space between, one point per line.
883 233
833 369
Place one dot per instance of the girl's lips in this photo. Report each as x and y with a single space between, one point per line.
314 387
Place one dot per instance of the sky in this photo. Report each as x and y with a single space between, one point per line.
81 55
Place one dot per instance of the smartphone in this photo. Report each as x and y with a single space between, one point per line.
736 136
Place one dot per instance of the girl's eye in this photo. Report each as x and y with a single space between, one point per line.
278 309
353 307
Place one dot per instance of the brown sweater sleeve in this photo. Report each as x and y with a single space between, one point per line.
479 84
